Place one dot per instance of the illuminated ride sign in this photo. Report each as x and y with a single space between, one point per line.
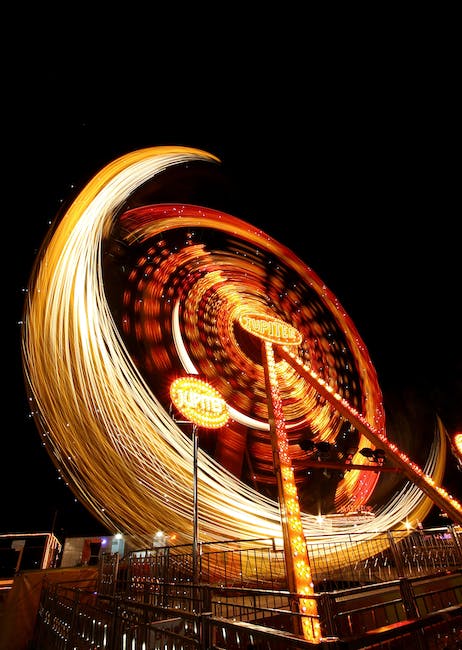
270 329
199 402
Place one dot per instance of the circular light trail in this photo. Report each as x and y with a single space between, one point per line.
126 298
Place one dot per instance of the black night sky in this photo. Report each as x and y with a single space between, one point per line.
357 176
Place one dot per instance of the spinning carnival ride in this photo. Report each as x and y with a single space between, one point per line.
134 288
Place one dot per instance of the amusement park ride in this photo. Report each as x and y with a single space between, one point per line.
139 300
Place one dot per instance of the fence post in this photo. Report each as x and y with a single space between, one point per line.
114 628
326 614
71 640
457 544
396 554
408 598
412 612
205 635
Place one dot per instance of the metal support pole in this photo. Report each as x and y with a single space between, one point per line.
195 515
407 467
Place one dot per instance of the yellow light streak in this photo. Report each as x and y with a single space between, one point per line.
109 434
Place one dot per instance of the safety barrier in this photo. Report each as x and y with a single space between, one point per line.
149 600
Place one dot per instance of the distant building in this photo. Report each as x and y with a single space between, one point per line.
85 551
29 551
26 551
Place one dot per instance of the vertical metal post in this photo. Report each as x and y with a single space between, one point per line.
195 515
397 556
456 542
20 554
194 398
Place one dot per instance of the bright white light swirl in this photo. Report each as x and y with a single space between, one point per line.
109 435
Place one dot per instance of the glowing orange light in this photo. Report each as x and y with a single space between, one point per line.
270 329
457 440
297 555
199 402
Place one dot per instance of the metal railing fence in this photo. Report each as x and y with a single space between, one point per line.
347 561
396 585
239 619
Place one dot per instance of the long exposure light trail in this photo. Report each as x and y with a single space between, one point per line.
100 348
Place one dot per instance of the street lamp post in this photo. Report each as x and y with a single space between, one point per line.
202 405
195 558
195 544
